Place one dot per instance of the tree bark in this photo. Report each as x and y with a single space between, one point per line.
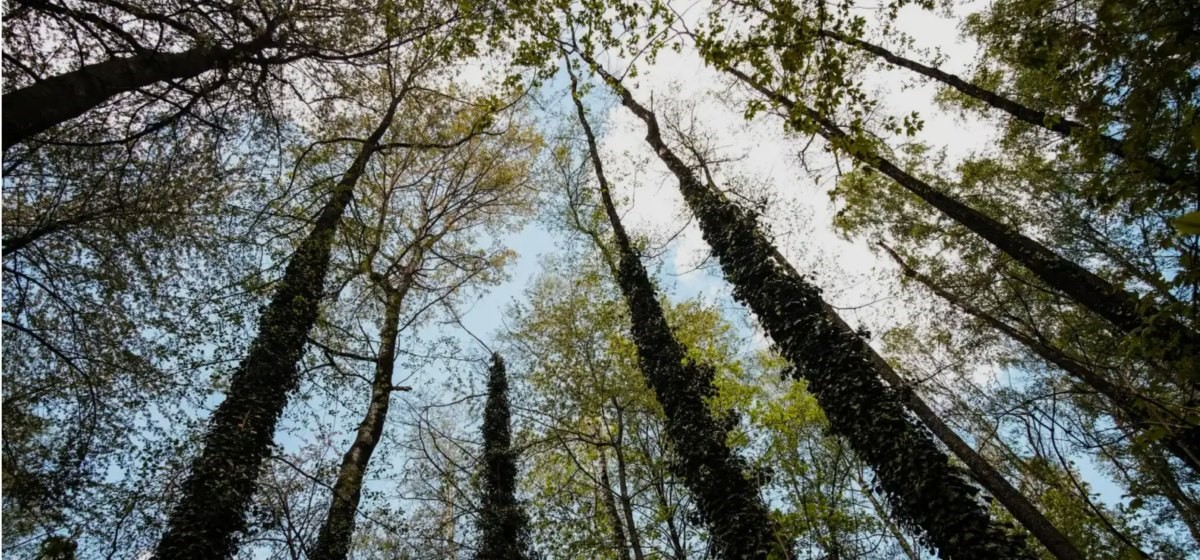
1181 441
333 541
224 476
1163 337
728 500
926 490
46 103
1017 504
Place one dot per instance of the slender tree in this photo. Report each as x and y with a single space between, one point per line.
1182 440
502 522
424 217
223 477
810 31
924 488
728 499
1162 336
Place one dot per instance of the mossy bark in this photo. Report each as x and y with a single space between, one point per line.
925 491
727 498
224 476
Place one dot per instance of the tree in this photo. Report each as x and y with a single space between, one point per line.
416 252
844 382
222 478
502 522
131 46
727 498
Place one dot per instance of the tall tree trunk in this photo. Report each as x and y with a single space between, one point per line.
333 541
727 498
610 506
635 540
1161 172
1163 337
502 523
45 103
924 488
1017 504
1183 441
223 478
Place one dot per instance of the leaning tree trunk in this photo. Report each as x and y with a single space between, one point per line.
502 522
925 490
223 478
1017 504
1163 337
1182 441
1160 171
728 499
45 103
333 541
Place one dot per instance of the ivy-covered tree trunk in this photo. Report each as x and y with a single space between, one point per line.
1181 439
43 104
925 491
333 541
728 499
223 478
502 522
1017 504
1162 337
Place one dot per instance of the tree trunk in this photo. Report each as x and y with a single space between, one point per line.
333 541
1181 441
224 476
635 540
610 505
1163 337
46 103
1017 504
728 500
1055 123
502 523
925 489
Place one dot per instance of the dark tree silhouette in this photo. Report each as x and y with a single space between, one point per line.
502 522
727 497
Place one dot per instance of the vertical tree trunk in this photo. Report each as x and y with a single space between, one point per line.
223 477
502 523
1182 441
610 506
635 540
727 498
333 541
43 104
1163 337
924 488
